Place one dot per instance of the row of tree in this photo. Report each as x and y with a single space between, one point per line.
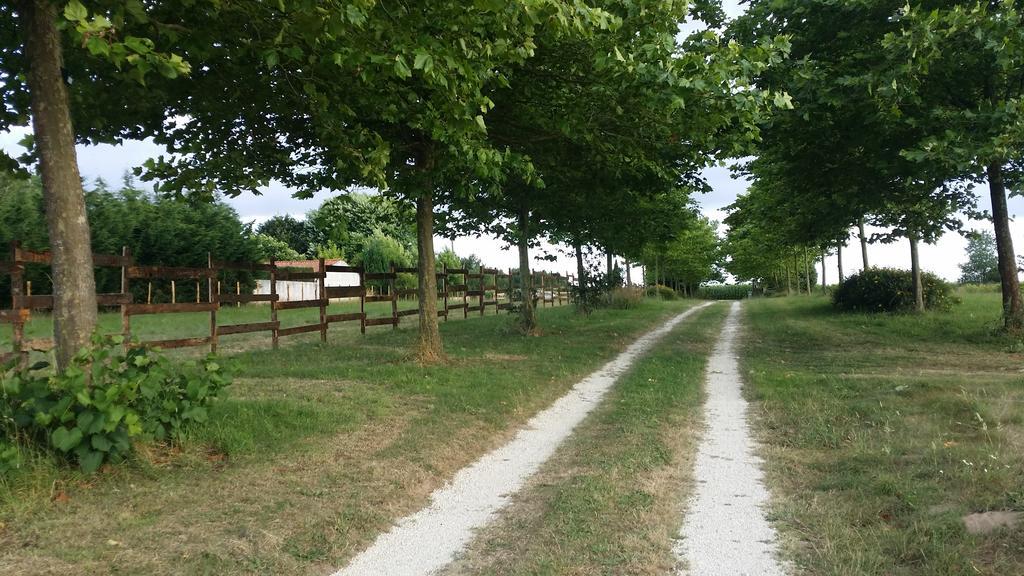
170 232
157 231
901 110
526 118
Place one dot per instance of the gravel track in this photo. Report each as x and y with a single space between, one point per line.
725 531
428 540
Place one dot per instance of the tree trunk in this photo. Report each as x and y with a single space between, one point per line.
74 281
430 348
581 280
824 283
807 272
915 273
863 243
1013 307
629 276
839 256
611 266
528 314
789 281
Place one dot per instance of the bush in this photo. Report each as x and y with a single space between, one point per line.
625 298
725 291
662 292
106 398
891 290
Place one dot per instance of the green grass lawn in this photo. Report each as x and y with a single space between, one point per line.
317 449
611 499
882 431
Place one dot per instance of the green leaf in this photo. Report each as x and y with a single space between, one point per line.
423 61
140 45
75 12
480 122
783 100
90 460
196 414
402 68
66 440
271 58
100 442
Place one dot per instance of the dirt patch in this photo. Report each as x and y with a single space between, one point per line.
982 523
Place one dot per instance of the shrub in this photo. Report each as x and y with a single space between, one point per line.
662 292
90 413
891 290
725 291
624 298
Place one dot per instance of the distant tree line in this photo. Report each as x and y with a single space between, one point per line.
158 231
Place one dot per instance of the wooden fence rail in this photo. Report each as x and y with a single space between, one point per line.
457 290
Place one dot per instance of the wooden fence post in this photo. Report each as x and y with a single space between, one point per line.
393 290
465 293
212 298
174 295
481 298
273 303
149 293
362 299
322 295
126 319
238 292
444 286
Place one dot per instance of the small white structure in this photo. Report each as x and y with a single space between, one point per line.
295 290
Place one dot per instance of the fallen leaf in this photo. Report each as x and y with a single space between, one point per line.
61 497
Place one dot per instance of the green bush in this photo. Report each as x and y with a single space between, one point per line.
662 292
725 291
891 290
91 412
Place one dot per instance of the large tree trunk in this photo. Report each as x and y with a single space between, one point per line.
789 281
430 348
863 243
915 273
839 256
629 276
581 271
74 282
824 283
807 272
611 266
581 279
528 314
1013 307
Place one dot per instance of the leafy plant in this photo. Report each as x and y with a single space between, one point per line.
891 290
91 412
662 292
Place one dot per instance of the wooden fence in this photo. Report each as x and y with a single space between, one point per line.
469 292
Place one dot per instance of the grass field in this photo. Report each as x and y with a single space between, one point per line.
316 450
611 499
882 431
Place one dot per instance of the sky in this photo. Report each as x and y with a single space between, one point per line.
943 258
